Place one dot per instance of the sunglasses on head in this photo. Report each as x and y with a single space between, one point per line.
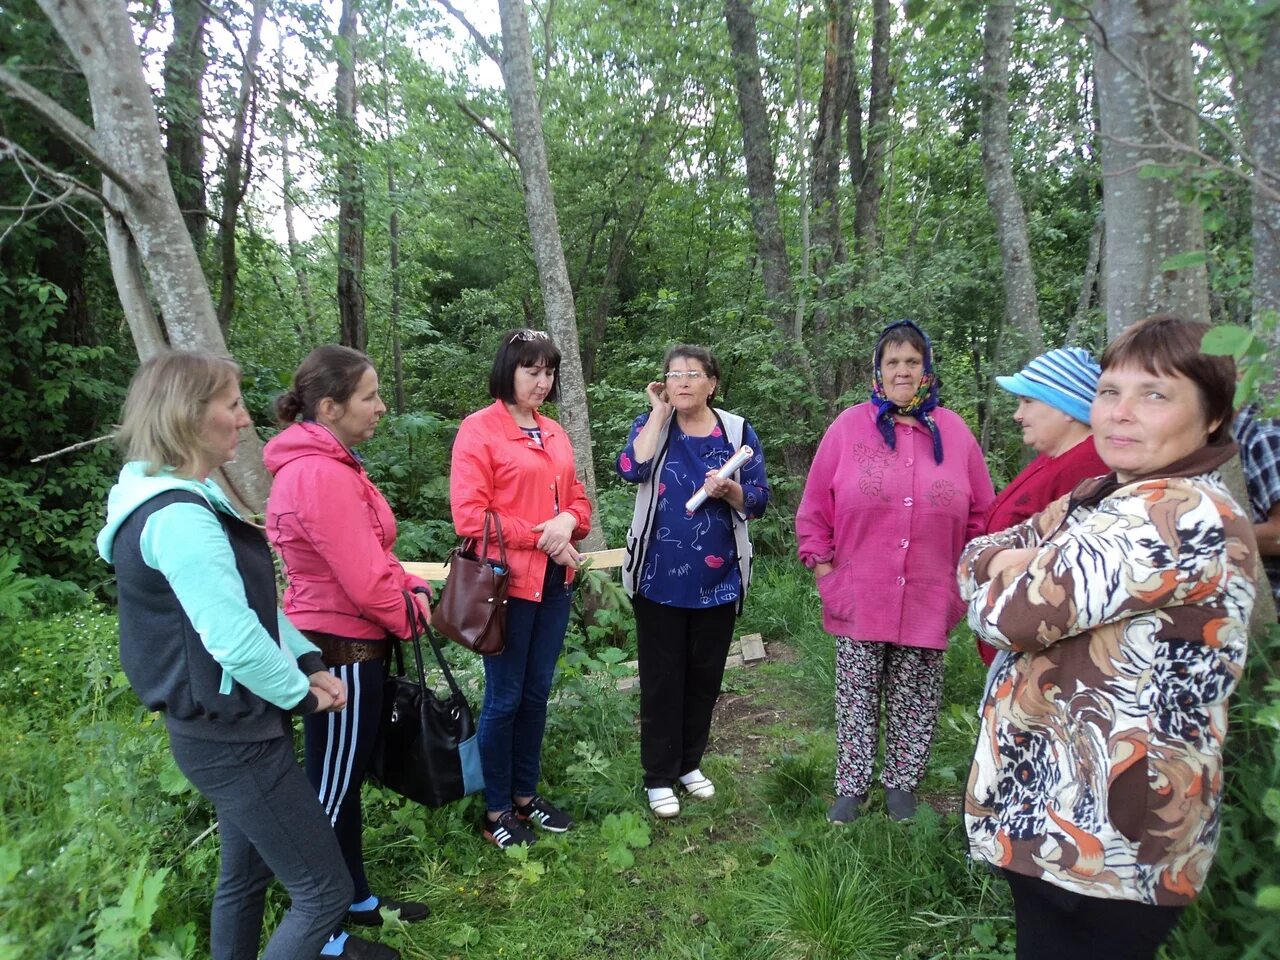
527 335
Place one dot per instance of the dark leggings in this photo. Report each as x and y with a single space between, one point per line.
1056 924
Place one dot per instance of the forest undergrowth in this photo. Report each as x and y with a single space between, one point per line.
106 852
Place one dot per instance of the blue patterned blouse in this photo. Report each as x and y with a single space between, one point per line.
692 561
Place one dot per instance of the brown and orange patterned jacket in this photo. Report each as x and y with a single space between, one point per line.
1099 759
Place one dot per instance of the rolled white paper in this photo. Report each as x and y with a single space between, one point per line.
744 454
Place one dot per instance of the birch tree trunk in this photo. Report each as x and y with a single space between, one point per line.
1143 61
145 228
1260 84
544 235
353 332
237 170
1021 306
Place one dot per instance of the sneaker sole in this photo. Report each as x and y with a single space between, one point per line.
703 790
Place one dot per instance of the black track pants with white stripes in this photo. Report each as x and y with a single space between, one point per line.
339 747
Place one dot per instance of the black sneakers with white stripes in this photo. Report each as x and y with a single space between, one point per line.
507 831
542 814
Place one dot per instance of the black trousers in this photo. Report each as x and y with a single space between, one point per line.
1056 924
681 655
338 748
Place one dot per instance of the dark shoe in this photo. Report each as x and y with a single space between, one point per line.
537 811
507 831
846 809
901 804
357 948
409 912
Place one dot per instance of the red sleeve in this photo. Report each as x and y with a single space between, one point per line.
471 491
330 508
983 493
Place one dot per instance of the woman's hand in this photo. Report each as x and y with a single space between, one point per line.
330 692
556 534
728 490
1013 562
820 570
657 394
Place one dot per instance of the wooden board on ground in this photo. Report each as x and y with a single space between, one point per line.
600 560
753 648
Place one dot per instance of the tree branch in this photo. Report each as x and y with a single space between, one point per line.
77 134
481 40
483 124
75 446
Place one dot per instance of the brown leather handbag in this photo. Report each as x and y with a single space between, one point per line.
472 609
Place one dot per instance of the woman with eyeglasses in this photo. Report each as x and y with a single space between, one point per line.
686 571
510 459
896 489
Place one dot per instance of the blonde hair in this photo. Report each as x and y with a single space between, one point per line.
164 411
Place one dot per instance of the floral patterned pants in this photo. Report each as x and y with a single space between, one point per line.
910 679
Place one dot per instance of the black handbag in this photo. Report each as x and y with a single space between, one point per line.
428 750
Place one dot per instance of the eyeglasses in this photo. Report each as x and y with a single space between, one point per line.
527 335
677 375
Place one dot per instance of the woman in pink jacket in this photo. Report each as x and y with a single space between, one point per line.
512 460
334 532
898 486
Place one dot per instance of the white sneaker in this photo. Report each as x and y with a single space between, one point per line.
663 802
697 785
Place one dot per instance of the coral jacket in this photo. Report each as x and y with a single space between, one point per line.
497 466
893 523
334 532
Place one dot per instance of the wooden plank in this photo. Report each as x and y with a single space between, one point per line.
753 648
600 560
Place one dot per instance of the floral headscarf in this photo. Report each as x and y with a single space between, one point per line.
920 406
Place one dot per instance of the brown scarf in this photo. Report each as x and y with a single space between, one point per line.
1093 490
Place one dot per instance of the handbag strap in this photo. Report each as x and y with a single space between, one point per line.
417 629
468 544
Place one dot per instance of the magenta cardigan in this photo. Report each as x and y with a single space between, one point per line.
893 523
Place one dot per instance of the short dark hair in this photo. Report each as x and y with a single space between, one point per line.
703 356
902 333
329 371
1167 346
523 348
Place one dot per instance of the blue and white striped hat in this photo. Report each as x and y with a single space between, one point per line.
1066 379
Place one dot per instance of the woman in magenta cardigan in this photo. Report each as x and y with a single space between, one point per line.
1054 392
898 486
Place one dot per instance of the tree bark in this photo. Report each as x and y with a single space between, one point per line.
1143 59
870 164
352 328
237 170
185 63
1260 85
145 228
544 234
297 260
1021 305
771 246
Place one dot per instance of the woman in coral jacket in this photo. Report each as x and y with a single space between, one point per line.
334 532
512 460
897 487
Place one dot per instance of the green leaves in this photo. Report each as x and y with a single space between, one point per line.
623 832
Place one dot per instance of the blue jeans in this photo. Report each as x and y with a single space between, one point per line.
517 683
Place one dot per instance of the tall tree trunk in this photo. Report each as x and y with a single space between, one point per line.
544 234
828 239
1021 306
297 260
802 165
771 245
1143 60
145 229
185 63
1092 263
238 169
352 329
1260 84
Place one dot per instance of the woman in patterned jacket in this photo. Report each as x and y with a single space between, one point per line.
1098 772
